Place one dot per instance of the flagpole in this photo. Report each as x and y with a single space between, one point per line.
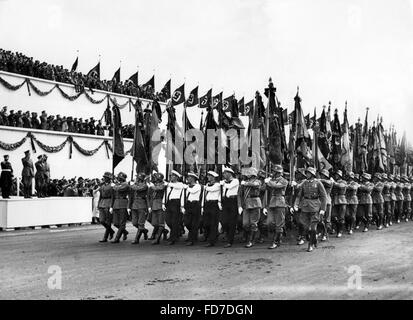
113 141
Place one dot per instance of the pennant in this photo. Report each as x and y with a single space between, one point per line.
150 85
178 96
74 66
205 101
166 90
217 102
249 107
346 152
118 148
193 98
134 78
95 72
241 107
116 76
227 103
336 142
139 152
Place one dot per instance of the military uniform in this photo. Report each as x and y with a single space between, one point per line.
230 208
27 176
387 201
157 195
139 204
121 192
366 201
262 223
328 185
212 202
104 204
192 214
407 198
6 179
339 208
378 203
352 204
39 178
399 199
312 199
392 188
174 202
277 207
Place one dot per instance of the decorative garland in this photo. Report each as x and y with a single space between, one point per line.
55 149
41 93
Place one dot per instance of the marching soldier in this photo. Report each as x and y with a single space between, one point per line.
211 207
174 204
119 206
6 177
296 185
262 223
352 202
407 198
158 207
338 212
230 186
139 205
328 185
366 201
387 200
392 189
312 199
104 204
277 206
192 215
249 204
378 201
27 174
399 199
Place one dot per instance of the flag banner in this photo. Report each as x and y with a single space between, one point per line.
241 107
364 145
205 101
346 152
257 125
116 76
166 90
217 102
118 148
303 140
150 85
286 120
323 141
336 142
193 98
382 147
139 151
94 72
291 117
249 108
227 103
74 66
178 96
175 139
134 78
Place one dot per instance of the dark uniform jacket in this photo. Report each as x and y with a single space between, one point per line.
105 198
392 189
338 192
138 198
277 187
399 191
249 195
312 196
28 168
157 193
365 193
386 192
352 188
328 186
120 195
406 192
377 193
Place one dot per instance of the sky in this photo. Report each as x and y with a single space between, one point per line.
334 50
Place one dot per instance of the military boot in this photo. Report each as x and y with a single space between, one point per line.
145 233
249 239
158 235
105 236
276 241
138 236
154 232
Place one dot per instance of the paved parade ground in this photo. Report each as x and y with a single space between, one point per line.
92 270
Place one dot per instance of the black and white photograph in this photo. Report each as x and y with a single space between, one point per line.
200 151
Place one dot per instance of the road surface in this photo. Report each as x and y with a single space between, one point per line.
32 259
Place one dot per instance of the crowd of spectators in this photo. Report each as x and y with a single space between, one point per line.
60 123
19 63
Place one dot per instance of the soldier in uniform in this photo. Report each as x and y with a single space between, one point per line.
378 201
157 196
230 186
249 204
399 199
104 205
6 177
366 201
46 167
119 207
352 202
192 216
27 174
338 211
140 206
328 185
411 196
277 206
407 198
296 185
262 223
39 176
174 204
393 198
35 121
312 199
211 208
386 199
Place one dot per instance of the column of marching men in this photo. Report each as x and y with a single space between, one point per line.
255 206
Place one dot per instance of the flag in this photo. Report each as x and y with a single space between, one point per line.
205 101
249 108
210 149
302 138
74 66
217 102
336 142
227 103
152 145
150 85
285 117
382 147
323 143
236 122
346 152
175 139
95 72
364 145
291 117
241 107
193 98
166 90
134 78
118 149
328 122
257 123
403 155
139 151
116 76
178 96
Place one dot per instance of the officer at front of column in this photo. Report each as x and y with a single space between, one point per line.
312 199
104 204
119 208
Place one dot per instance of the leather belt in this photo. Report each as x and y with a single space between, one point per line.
6 170
311 198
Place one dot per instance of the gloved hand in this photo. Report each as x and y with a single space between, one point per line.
163 207
149 210
222 182
183 210
240 210
128 211
110 210
293 183
322 212
295 208
265 211
219 206
242 183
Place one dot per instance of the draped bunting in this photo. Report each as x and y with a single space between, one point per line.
38 91
55 149
10 86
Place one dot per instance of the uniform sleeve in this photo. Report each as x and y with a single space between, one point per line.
131 197
323 196
299 195
233 184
